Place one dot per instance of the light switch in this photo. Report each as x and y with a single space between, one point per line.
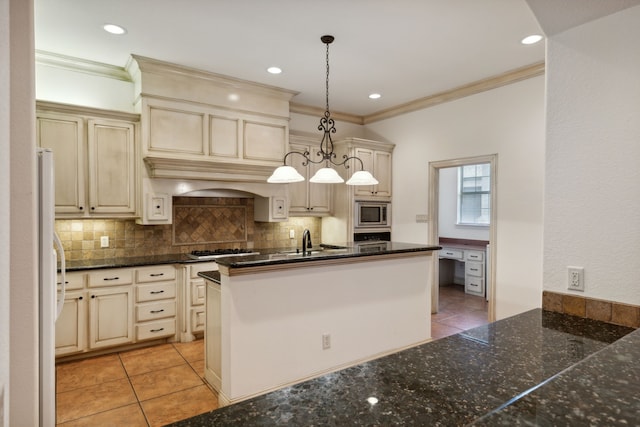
104 241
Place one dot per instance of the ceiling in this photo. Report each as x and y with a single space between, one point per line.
403 49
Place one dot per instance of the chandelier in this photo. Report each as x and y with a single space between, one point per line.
325 175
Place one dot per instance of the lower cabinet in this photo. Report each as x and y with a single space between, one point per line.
117 306
110 317
194 297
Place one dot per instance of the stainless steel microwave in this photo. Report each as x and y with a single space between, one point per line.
372 214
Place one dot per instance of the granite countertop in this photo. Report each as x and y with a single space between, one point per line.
322 253
518 371
266 256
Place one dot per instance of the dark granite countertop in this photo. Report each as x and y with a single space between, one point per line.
474 377
323 252
214 276
266 256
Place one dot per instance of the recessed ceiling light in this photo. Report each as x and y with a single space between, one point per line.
114 29
532 39
374 96
274 70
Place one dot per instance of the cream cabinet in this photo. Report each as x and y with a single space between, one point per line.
378 162
117 306
194 299
95 162
155 308
213 337
307 198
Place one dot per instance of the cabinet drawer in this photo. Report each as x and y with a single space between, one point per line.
474 255
74 281
474 285
202 266
452 253
198 288
110 277
197 319
474 269
156 329
155 310
155 274
155 291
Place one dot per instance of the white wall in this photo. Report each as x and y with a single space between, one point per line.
592 200
508 121
448 210
18 288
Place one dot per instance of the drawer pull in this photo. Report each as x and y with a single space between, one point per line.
473 285
157 311
156 274
156 292
473 269
111 278
157 330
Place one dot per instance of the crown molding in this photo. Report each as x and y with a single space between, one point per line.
81 65
473 88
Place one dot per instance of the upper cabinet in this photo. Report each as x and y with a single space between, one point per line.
94 158
378 162
200 125
307 198
376 158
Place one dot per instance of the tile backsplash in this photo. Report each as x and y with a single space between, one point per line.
199 223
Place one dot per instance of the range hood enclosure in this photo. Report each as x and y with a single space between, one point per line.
205 126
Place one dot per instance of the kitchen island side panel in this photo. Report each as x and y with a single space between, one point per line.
273 322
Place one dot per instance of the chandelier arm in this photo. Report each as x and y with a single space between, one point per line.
346 159
305 155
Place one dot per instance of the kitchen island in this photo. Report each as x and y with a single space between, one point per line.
282 317
535 368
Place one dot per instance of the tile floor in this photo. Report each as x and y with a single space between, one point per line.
458 312
152 386
159 385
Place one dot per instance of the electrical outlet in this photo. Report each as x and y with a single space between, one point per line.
326 341
104 241
576 279
292 233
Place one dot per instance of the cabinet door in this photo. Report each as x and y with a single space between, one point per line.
111 166
298 197
110 317
366 155
382 172
65 136
71 325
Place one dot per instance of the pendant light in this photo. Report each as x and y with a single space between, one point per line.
325 175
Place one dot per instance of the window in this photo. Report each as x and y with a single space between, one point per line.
474 194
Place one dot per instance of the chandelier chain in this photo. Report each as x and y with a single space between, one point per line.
327 82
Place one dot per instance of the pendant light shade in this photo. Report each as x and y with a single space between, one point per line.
326 154
362 178
326 176
284 175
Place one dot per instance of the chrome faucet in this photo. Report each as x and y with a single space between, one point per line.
306 241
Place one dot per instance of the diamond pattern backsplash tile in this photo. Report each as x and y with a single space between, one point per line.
199 223
209 224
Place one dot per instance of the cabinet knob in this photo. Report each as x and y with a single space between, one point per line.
79 298
81 208
93 208
93 296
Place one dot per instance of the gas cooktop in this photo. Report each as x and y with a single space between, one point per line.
217 253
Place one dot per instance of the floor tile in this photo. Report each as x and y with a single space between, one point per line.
198 366
179 406
126 416
466 321
90 400
438 330
149 359
88 372
191 351
165 381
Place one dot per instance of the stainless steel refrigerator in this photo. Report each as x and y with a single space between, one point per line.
51 300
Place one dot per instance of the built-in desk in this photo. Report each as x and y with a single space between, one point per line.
464 263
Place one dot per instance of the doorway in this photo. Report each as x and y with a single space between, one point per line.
435 169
